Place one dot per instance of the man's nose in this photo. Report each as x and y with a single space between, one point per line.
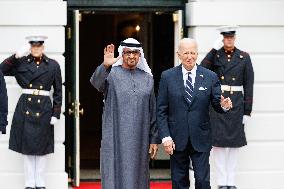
131 55
189 57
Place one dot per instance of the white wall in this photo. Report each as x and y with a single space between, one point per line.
19 18
261 34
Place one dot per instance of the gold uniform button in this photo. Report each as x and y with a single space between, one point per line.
31 85
41 87
229 56
233 79
37 114
38 101
231 92
222 77
27 112
229 60
29 99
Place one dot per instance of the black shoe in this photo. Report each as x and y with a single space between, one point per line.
232 187
40 188
29 188
223 187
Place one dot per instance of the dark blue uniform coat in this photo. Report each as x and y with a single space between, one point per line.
31 132
233 69
3 104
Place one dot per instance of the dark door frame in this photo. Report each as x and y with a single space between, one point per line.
105 6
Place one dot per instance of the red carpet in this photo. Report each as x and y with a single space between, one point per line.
97 185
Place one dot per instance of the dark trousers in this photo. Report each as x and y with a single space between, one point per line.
180 162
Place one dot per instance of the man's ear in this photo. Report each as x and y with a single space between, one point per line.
178 54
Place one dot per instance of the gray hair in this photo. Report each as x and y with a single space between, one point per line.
187 40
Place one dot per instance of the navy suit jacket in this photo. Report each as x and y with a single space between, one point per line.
181 120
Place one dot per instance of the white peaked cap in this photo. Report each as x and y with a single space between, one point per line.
36 38
228 29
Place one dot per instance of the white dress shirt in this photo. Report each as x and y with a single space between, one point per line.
185 73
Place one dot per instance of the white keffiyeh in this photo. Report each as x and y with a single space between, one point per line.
142 64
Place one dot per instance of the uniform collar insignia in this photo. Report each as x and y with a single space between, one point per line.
29 58
44 58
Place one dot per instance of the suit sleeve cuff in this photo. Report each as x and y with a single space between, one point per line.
165 139
225 109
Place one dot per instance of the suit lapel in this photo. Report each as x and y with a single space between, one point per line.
198 82
180 82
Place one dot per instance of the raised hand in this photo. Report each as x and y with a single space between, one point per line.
109 56
218 43
226 103
23 51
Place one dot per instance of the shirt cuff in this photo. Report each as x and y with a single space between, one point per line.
225 109
165 139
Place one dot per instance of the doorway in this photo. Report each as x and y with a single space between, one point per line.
156 32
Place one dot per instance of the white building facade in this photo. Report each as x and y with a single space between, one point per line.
261 34
19 18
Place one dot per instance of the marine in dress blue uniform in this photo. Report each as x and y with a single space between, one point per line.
32 130
235 71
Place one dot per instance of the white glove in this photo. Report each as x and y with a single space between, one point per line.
23 51
218 43
246 119
53 120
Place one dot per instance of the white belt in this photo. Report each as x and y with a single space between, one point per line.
36 92
231 88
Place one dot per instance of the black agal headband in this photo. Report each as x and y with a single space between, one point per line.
130 44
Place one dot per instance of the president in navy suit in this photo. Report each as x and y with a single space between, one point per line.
185 95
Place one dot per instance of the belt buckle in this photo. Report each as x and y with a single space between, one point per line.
36 92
